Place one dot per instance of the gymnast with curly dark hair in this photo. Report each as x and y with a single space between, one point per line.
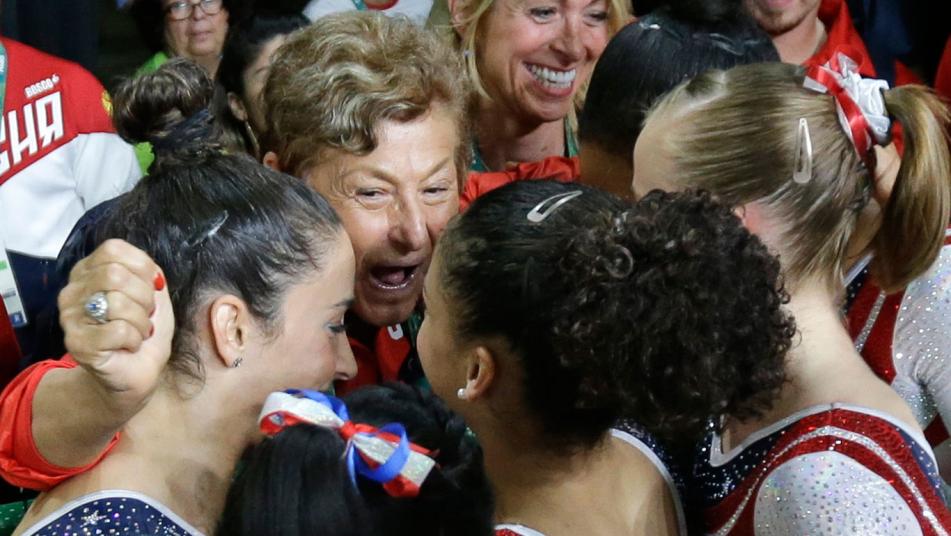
569 328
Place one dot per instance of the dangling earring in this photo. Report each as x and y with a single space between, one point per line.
461 393
249 134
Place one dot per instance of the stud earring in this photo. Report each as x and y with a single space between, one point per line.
461 393
237 362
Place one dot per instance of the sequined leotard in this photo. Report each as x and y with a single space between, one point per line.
113 512
905 338
831 469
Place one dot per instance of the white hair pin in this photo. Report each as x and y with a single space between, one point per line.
549 205
802 173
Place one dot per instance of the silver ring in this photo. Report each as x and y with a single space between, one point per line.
97 307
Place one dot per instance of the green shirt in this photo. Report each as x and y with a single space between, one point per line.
143 151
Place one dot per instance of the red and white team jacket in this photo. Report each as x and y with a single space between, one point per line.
59 154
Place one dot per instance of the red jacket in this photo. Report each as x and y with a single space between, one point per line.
21 464
840 32
557 168
942 80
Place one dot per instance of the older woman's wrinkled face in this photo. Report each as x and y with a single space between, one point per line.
200 34
534 54
394 203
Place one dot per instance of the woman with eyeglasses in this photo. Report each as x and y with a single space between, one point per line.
194 29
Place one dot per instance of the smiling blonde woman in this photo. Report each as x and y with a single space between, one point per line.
529 61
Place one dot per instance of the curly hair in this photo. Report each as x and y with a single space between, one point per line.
333 82
668 311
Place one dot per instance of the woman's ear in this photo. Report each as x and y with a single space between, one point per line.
272 161
740 212
230 328
480 372
237 107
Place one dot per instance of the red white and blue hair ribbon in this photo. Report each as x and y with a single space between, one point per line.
859 101
384 455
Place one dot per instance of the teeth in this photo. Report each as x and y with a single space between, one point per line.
560 79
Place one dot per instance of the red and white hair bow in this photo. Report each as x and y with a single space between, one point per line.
384 454
859 101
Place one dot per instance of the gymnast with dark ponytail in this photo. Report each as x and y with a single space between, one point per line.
298 481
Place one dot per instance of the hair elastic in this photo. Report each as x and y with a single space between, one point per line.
195 129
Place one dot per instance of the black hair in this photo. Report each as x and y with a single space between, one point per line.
212 221
169 109
296 484
245 42
243 46
667 311
149 18
654 54
454 499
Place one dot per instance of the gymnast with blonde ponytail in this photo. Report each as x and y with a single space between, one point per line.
806 159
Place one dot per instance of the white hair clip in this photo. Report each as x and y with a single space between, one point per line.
541 211
207 230
802 173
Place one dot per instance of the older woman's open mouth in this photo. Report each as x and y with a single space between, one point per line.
393 278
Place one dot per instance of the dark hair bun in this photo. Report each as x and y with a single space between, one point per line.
167 108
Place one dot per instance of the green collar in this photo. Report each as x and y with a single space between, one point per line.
478 164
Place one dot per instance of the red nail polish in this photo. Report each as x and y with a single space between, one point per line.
151 331
159 281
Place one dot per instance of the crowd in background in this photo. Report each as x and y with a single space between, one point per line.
517 267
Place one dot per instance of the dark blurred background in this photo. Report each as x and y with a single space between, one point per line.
93 33
96 34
